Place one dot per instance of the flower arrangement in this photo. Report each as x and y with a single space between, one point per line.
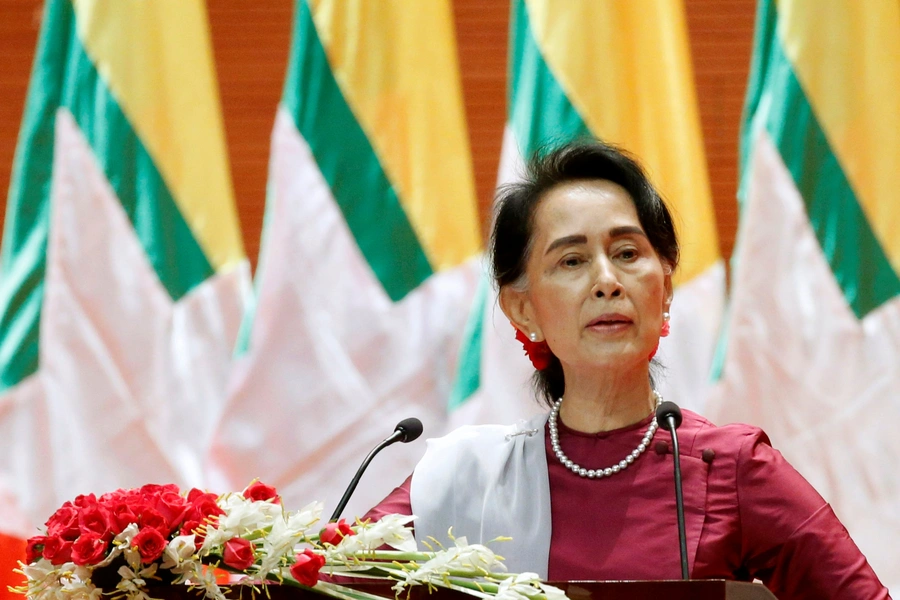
124 542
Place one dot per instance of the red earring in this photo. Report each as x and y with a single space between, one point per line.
538 353
663 332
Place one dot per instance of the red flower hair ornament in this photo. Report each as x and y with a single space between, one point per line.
538 353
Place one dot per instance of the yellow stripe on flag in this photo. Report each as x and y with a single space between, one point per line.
156 58
847 58
631 81
396 64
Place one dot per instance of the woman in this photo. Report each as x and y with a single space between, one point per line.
583 253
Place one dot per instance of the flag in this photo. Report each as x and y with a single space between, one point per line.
812 342
122 266
620 72
366 268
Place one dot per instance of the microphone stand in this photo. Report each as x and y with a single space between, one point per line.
406 431
671 418
359 473
679 503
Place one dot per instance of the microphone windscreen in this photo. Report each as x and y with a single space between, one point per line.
411 428
664 411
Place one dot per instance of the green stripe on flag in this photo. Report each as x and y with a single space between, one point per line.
777 102
540 112
468 374
64 76
349 164
245 332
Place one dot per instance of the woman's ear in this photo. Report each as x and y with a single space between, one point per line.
667 283
516 306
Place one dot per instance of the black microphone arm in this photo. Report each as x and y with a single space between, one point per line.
668 415
406 431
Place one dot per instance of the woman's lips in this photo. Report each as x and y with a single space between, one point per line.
610 323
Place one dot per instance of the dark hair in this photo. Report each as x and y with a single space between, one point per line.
516 204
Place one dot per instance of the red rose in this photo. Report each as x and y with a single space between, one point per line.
306 567
150 544
196 522
194 527
110 498
259 491
150 518
154 489
239 553
34 548
95 520
83 501
195 493
204 509
57 550
172 506
88 549
335 532
64 523
121 516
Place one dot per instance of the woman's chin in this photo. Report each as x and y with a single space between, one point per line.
618 357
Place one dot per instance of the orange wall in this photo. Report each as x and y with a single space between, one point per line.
251 44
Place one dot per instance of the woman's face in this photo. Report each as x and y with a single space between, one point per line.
596 287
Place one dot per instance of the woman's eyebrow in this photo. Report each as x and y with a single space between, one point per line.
566 241
626 230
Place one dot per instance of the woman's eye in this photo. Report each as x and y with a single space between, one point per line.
628 254
571 261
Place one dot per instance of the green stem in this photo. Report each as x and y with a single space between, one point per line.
398 555
481 586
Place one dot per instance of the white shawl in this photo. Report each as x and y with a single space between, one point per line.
487 481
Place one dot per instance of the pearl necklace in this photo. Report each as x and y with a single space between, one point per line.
598 473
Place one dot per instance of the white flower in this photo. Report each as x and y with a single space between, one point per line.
303 519
77 588
127 534
527 586
461 557
205 579
180 549
391 530
133 583
287 531
40 571
42 579
122 543
241 517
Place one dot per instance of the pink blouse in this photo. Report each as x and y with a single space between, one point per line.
748 514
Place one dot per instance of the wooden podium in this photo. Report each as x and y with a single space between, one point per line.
712 589
700 589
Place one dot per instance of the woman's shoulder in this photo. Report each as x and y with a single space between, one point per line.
733 438
700 423
473 435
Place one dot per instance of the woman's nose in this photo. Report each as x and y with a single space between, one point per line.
606 283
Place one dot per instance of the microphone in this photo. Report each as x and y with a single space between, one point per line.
406 431
668 415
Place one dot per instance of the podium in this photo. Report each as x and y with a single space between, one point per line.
700 589
712 589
